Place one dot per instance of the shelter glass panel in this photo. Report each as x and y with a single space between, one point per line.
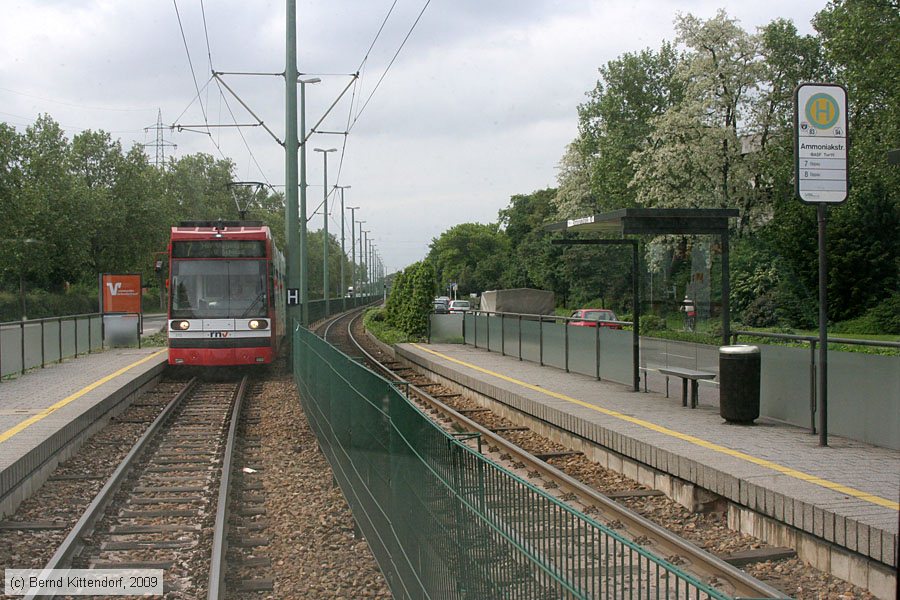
495 332
10 349
531 339
616 361
864 397
33 356
583 350
447 329
469 328
67 333
84 341
511 336
784 384
554 344
121 330
481 331
96 332
51 341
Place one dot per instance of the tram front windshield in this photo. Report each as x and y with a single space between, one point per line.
218 289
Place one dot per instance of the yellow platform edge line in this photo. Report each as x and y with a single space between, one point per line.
68 399
849 491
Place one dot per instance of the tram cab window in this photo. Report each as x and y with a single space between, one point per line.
219 288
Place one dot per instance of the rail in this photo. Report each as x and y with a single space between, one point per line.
73 542
441 519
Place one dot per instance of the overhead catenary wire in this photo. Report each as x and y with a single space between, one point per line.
391 63
190 62
223 98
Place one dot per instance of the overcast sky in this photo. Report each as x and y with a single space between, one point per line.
478 106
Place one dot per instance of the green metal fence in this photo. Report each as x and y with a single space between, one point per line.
444 522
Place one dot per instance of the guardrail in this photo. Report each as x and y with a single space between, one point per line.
38 342
601 352
871 361
445 522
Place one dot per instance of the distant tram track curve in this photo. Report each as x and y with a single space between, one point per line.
696 542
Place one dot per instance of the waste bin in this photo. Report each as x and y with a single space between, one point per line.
739 368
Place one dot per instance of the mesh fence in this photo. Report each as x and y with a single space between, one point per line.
444 522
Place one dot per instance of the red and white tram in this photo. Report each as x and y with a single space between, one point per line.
226 294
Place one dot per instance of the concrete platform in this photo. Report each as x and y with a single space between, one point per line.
837 505
47 413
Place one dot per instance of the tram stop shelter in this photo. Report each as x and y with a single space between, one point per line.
616 225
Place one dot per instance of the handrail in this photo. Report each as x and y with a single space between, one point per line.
815 339
21 326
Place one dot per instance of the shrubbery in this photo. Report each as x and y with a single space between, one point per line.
410 303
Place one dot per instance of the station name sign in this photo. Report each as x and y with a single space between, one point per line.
820 143
580 221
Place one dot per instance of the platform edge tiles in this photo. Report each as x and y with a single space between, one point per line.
759 500
31 449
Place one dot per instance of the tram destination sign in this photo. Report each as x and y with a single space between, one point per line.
820 143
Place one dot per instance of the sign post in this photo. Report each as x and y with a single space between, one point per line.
821 153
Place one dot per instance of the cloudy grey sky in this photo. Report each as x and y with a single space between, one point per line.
478 106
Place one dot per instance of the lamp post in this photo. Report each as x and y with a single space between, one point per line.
343 252
370 266
353 210
325 290
304 251
359 279
364 243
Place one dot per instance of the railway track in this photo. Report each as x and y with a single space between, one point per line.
167 503
493 443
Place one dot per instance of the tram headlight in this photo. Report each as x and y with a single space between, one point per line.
180 325
258 324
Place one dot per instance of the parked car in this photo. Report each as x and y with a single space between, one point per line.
441 308
460 306
595 317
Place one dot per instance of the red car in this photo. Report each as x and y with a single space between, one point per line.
595 317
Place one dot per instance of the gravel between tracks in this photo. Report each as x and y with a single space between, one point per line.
314 552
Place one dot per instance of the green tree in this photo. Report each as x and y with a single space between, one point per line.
695 158
473 255
616 121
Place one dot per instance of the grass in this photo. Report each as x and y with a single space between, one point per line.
383 331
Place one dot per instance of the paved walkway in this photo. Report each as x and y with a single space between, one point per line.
44 409
846 493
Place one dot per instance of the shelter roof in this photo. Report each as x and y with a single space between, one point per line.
652 221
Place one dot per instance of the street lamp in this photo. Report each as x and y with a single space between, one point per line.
343 289
325 290
353 210
359 280
364 243
304 262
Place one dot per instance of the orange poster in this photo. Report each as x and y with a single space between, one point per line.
120 293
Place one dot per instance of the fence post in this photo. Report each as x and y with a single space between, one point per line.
22 328
487 319
59 336
42 344
566 343
541 340
812 387
520 337
502 335
76 336
597 350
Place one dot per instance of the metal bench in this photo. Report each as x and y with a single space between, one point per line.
687 374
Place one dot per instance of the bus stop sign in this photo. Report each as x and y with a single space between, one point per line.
820 143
